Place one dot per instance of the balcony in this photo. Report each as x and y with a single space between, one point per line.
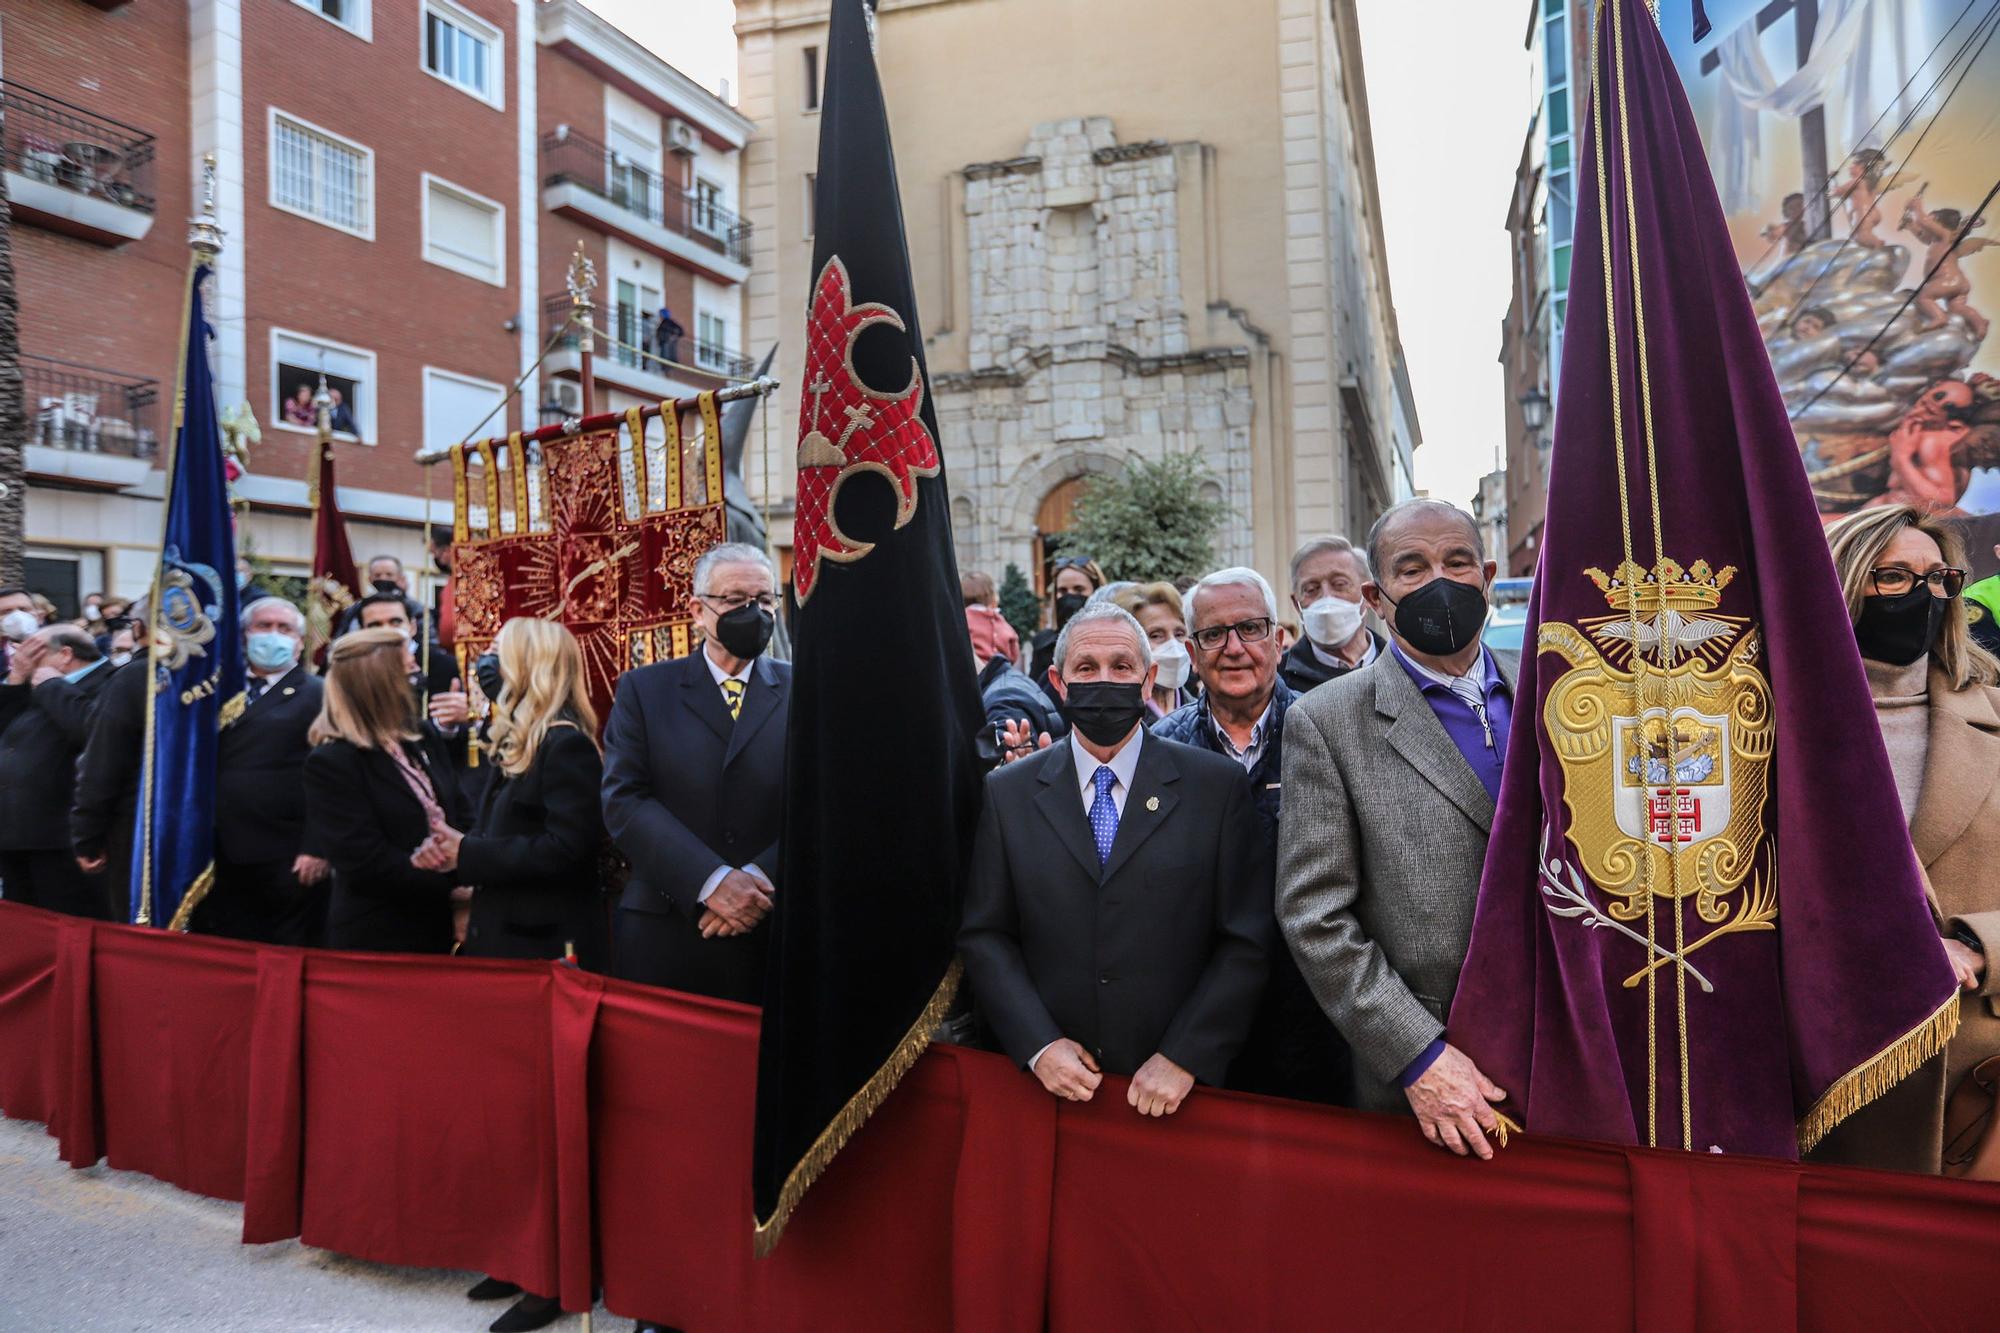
89 426
583 179
74 171
648 375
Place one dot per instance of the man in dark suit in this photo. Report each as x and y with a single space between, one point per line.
267 887
694 791
46 707
1118 917
104 811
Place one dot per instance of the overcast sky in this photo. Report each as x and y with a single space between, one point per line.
1449 93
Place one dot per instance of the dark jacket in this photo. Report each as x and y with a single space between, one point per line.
533 855
102 814
1009 696
1164 948
1293 1049
1302 669
687 789
43 729
363 817
260 787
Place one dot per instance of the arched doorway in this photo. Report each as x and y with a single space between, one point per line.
1053 520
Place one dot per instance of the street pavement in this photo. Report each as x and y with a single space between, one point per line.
114 1250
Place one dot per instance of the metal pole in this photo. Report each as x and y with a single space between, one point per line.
767 384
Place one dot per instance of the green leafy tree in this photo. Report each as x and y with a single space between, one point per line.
1152 521
1018 604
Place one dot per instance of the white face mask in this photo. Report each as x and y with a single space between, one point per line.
1171 658
120 658
1332 621
18 624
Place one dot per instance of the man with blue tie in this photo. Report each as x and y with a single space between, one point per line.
1117 919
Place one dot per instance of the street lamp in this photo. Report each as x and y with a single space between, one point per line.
1534 410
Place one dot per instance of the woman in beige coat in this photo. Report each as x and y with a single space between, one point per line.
1939 710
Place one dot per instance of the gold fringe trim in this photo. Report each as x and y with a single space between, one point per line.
1888 1067
859 1107
196 892
232 709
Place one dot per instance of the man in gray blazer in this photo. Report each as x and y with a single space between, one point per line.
1390 777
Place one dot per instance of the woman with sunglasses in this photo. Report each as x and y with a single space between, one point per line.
1939 709
1072 578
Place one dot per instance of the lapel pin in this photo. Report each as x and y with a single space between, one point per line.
1152 802
288 690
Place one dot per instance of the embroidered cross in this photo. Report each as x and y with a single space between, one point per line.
1675 815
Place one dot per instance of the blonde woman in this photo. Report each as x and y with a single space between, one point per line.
377 784
1157 607
1936 701
532 854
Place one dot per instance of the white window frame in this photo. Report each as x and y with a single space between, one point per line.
705 347
272 116
812 204
368 423
496 63
704 211
364 17
813 79
494 426
466 267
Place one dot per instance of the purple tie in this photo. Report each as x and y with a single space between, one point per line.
1104 812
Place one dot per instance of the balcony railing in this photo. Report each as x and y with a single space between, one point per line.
49 140
570 158
637 329
87 410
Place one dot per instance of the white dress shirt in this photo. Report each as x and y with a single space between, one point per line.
1334 660
1123 765
741 677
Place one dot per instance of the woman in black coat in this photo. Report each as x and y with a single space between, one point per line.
531 857
376 786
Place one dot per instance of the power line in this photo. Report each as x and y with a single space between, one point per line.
1911 156
1964 230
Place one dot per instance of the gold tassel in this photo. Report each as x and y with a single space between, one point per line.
196 892
1875 1076
851 1116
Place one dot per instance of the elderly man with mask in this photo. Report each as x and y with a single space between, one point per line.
1391 774
1292 1050
1117 919
1327 577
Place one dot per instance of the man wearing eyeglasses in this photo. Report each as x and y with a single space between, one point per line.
694 790
1292 1050
1391 775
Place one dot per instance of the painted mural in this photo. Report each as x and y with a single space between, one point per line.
1856 147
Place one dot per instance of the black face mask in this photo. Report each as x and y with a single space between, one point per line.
486 670
1442 617
386 585
1068 605
1899 630
746 631
1105 711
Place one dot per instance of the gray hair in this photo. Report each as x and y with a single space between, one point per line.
1397 512
1109 591
272 599
1321 546
730 553
1236 576
1095 613
395 560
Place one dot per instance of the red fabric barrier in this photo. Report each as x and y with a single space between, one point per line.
562 1130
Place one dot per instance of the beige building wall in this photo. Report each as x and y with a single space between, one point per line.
1133 230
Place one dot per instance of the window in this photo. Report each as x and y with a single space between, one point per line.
456 406
297 362
707 206
812 78
464 232
321 176
711 346
349 14
812 202
635 316
463 51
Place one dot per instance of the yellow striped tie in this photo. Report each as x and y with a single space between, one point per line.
732 690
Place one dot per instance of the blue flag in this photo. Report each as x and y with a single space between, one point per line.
197 654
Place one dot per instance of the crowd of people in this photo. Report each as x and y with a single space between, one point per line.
1226 840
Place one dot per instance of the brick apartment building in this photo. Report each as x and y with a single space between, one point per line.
401 184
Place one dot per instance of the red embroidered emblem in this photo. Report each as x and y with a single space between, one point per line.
846 427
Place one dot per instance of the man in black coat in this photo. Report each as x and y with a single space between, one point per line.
46 706
101 818
267 886
1327 574
1118 917
694 791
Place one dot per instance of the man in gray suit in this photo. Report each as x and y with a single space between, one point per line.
1390 775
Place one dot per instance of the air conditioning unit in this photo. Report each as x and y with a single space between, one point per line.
568 394
682 137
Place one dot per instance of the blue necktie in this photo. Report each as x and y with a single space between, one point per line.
1104 812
